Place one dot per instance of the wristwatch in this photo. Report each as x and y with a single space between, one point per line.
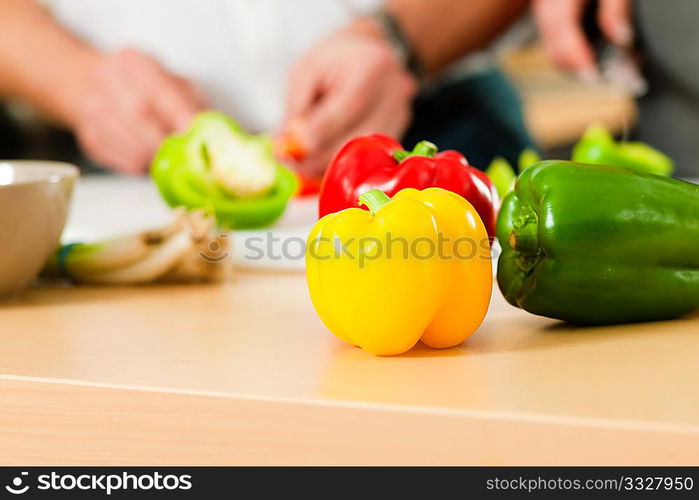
395 36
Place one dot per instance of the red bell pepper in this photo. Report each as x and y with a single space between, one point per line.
379 162
288 146
308 186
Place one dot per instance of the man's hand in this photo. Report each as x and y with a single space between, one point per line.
129 105
349 84
560 27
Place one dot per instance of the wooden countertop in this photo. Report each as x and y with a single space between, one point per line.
245 373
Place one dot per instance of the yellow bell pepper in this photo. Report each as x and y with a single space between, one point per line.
414 267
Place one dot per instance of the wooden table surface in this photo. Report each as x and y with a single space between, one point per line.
245 373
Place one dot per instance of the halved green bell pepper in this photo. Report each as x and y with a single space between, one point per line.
216 166
595 244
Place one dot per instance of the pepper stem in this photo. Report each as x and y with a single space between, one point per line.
422 148
374 199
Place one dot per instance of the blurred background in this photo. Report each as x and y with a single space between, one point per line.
499 76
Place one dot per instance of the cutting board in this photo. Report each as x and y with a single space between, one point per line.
106 206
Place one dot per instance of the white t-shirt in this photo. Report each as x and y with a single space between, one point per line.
238 52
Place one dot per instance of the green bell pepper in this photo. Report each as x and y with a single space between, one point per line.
503 175
599 147
527 158
595 244
216 166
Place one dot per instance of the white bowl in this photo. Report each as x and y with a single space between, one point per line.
34 199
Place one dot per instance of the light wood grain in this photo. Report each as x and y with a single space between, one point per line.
69 424
245 373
